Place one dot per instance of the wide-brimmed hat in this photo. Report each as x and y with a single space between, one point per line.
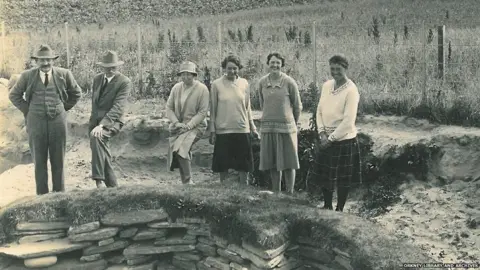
44 52
110 60
189 67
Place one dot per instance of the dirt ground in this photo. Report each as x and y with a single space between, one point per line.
440 218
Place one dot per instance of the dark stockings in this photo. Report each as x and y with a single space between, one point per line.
342 194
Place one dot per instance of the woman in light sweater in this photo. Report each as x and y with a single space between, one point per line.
338 153
187 108
281 108
231 122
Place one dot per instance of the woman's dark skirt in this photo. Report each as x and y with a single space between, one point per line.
232 151
338 165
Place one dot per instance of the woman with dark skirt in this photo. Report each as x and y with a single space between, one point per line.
338 153
231 122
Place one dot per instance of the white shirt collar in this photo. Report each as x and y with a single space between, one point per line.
49 73
109 79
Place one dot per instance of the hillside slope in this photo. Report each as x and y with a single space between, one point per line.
92 11
284 11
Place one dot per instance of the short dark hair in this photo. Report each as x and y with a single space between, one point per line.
277 55
234 59
339 59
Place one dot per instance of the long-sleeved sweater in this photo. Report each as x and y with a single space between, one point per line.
230 109
337 110
195 106
281 104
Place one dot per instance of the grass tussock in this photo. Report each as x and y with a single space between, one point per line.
233 213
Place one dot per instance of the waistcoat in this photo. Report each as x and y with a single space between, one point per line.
45 100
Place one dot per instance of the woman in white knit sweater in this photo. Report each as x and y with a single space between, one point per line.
338 153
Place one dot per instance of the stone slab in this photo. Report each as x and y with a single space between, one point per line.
206 240
97 235
232 256
167 225
121 244
149 234
23 233
139 260
202 266
84 228
236 266
42 249
186 256
134 217
255 259
148 266
185 265
91 258
116 259
206 249
40 237
148 249
40 262
128 233
165 266
265 253
68 264
170 241
105 242
75 264
217 263
42 226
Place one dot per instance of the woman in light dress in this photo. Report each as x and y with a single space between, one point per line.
187 108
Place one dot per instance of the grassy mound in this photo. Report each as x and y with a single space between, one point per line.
233 213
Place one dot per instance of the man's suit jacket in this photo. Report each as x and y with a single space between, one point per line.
13 80
68 89
108 109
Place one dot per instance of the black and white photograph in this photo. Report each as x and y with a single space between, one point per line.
239 134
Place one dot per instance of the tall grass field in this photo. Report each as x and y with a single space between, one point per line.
392 46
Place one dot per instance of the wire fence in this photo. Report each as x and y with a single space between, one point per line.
405 63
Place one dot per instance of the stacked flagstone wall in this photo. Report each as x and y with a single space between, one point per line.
150 239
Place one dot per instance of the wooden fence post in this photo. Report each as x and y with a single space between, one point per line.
67 44
3 67
220 46
425 70
314 38
441 52
139 59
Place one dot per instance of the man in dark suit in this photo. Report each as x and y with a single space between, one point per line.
109 98
49 93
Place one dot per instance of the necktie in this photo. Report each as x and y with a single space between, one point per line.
103 87
46 79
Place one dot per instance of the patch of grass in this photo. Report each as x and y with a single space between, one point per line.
234 213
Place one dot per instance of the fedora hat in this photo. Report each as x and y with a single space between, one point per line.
110 60
189 67
44 52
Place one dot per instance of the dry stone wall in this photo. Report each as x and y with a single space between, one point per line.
150 239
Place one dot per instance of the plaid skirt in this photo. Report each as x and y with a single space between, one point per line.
339 164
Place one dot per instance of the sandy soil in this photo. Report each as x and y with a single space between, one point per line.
441 218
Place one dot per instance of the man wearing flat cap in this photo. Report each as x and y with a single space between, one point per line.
49 93
110 92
